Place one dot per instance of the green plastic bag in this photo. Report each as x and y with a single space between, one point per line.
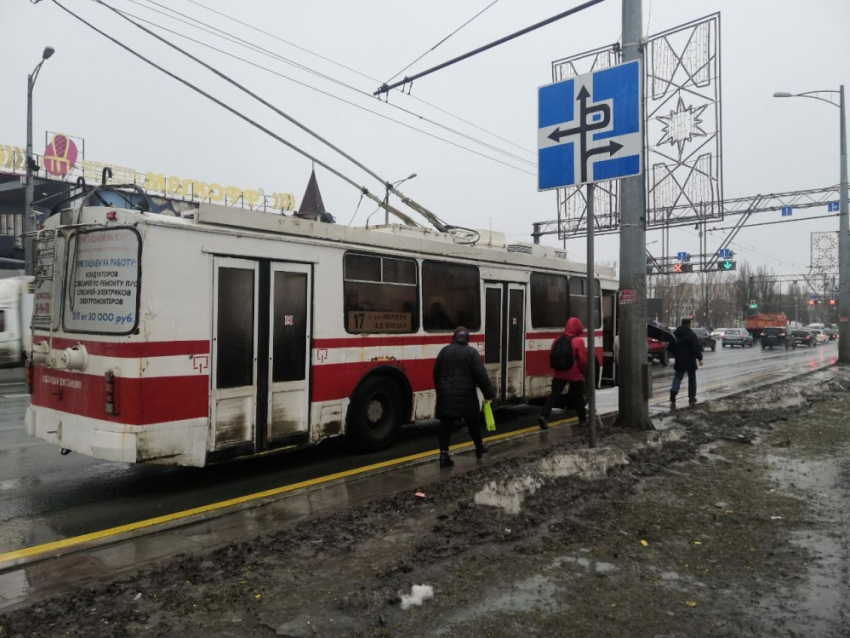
488 417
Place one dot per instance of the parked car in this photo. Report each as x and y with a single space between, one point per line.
658 351
737 337
773 337
832 333
718 334
705 339
804 337
820 335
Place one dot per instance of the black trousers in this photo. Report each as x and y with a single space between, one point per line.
473 424
575 398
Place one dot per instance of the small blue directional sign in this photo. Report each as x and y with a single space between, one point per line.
683 256
589 128
786 211
724 253
832 207
813 296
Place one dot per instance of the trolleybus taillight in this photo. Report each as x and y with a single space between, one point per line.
109 387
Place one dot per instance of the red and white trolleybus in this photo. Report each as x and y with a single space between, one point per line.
214 334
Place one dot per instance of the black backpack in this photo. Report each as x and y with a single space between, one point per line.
561 357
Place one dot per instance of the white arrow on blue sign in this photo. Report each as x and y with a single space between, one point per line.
724 253
589 128
786 211
832 207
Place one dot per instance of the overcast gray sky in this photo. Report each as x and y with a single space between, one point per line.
132 115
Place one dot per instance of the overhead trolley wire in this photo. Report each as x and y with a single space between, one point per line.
442 41
232 110
236 40
586 5
215 31
390 188
326 93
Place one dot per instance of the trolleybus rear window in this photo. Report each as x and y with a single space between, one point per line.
549 301
451 296
381 295
102 289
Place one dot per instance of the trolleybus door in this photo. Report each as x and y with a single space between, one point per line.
289 351
609 322
493 318
234 350
504 338
515 342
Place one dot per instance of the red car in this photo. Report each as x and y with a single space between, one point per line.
658 351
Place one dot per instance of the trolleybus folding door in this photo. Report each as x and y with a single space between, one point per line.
234 350
504 338
289 351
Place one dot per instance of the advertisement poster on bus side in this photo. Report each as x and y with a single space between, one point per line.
103 282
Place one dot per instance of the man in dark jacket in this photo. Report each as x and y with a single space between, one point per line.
688 353
458 371
574 376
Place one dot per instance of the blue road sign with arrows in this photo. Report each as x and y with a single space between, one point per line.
683 256
589 128
724 253
787 211
832 207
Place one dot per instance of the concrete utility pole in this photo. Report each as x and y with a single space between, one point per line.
633 406
28 225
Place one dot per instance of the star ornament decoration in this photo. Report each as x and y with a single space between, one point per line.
682 125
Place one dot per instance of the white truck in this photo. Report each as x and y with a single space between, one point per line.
16 300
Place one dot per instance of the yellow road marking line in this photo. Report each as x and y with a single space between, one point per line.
65 543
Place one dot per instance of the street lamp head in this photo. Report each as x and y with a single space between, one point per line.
782 94
48 51
411 176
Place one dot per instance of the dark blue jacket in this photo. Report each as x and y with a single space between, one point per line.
458 370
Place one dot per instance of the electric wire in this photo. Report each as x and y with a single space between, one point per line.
242 116
351 69
431 217
323 92
219 33
441 42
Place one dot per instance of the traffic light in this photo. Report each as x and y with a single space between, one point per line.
812 302
726 265
753 305
832 301
681 268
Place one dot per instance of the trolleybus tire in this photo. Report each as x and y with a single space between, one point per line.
375 414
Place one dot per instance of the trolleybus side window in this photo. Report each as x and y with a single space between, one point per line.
451 296
235 337
578 301
549 301
381 294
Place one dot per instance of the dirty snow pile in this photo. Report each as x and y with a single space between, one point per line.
418 595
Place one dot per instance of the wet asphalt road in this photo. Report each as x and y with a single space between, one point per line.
45 496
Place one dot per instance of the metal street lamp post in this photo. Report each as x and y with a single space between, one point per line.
28 220
843 226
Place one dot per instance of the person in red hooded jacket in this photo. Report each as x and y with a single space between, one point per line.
574 377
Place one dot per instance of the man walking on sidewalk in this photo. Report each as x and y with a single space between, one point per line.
458 371
568 359
688 353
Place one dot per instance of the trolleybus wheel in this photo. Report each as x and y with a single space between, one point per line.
375 414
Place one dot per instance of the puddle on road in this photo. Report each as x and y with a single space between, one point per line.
597 566
536 594
806 475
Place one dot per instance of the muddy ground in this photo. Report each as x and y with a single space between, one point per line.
734 520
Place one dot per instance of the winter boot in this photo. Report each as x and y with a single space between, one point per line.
672 397
446 460
480 451
692 400
543 423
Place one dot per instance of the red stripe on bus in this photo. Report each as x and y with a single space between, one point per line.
138 401
396 340
554 335
132 349
338 380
